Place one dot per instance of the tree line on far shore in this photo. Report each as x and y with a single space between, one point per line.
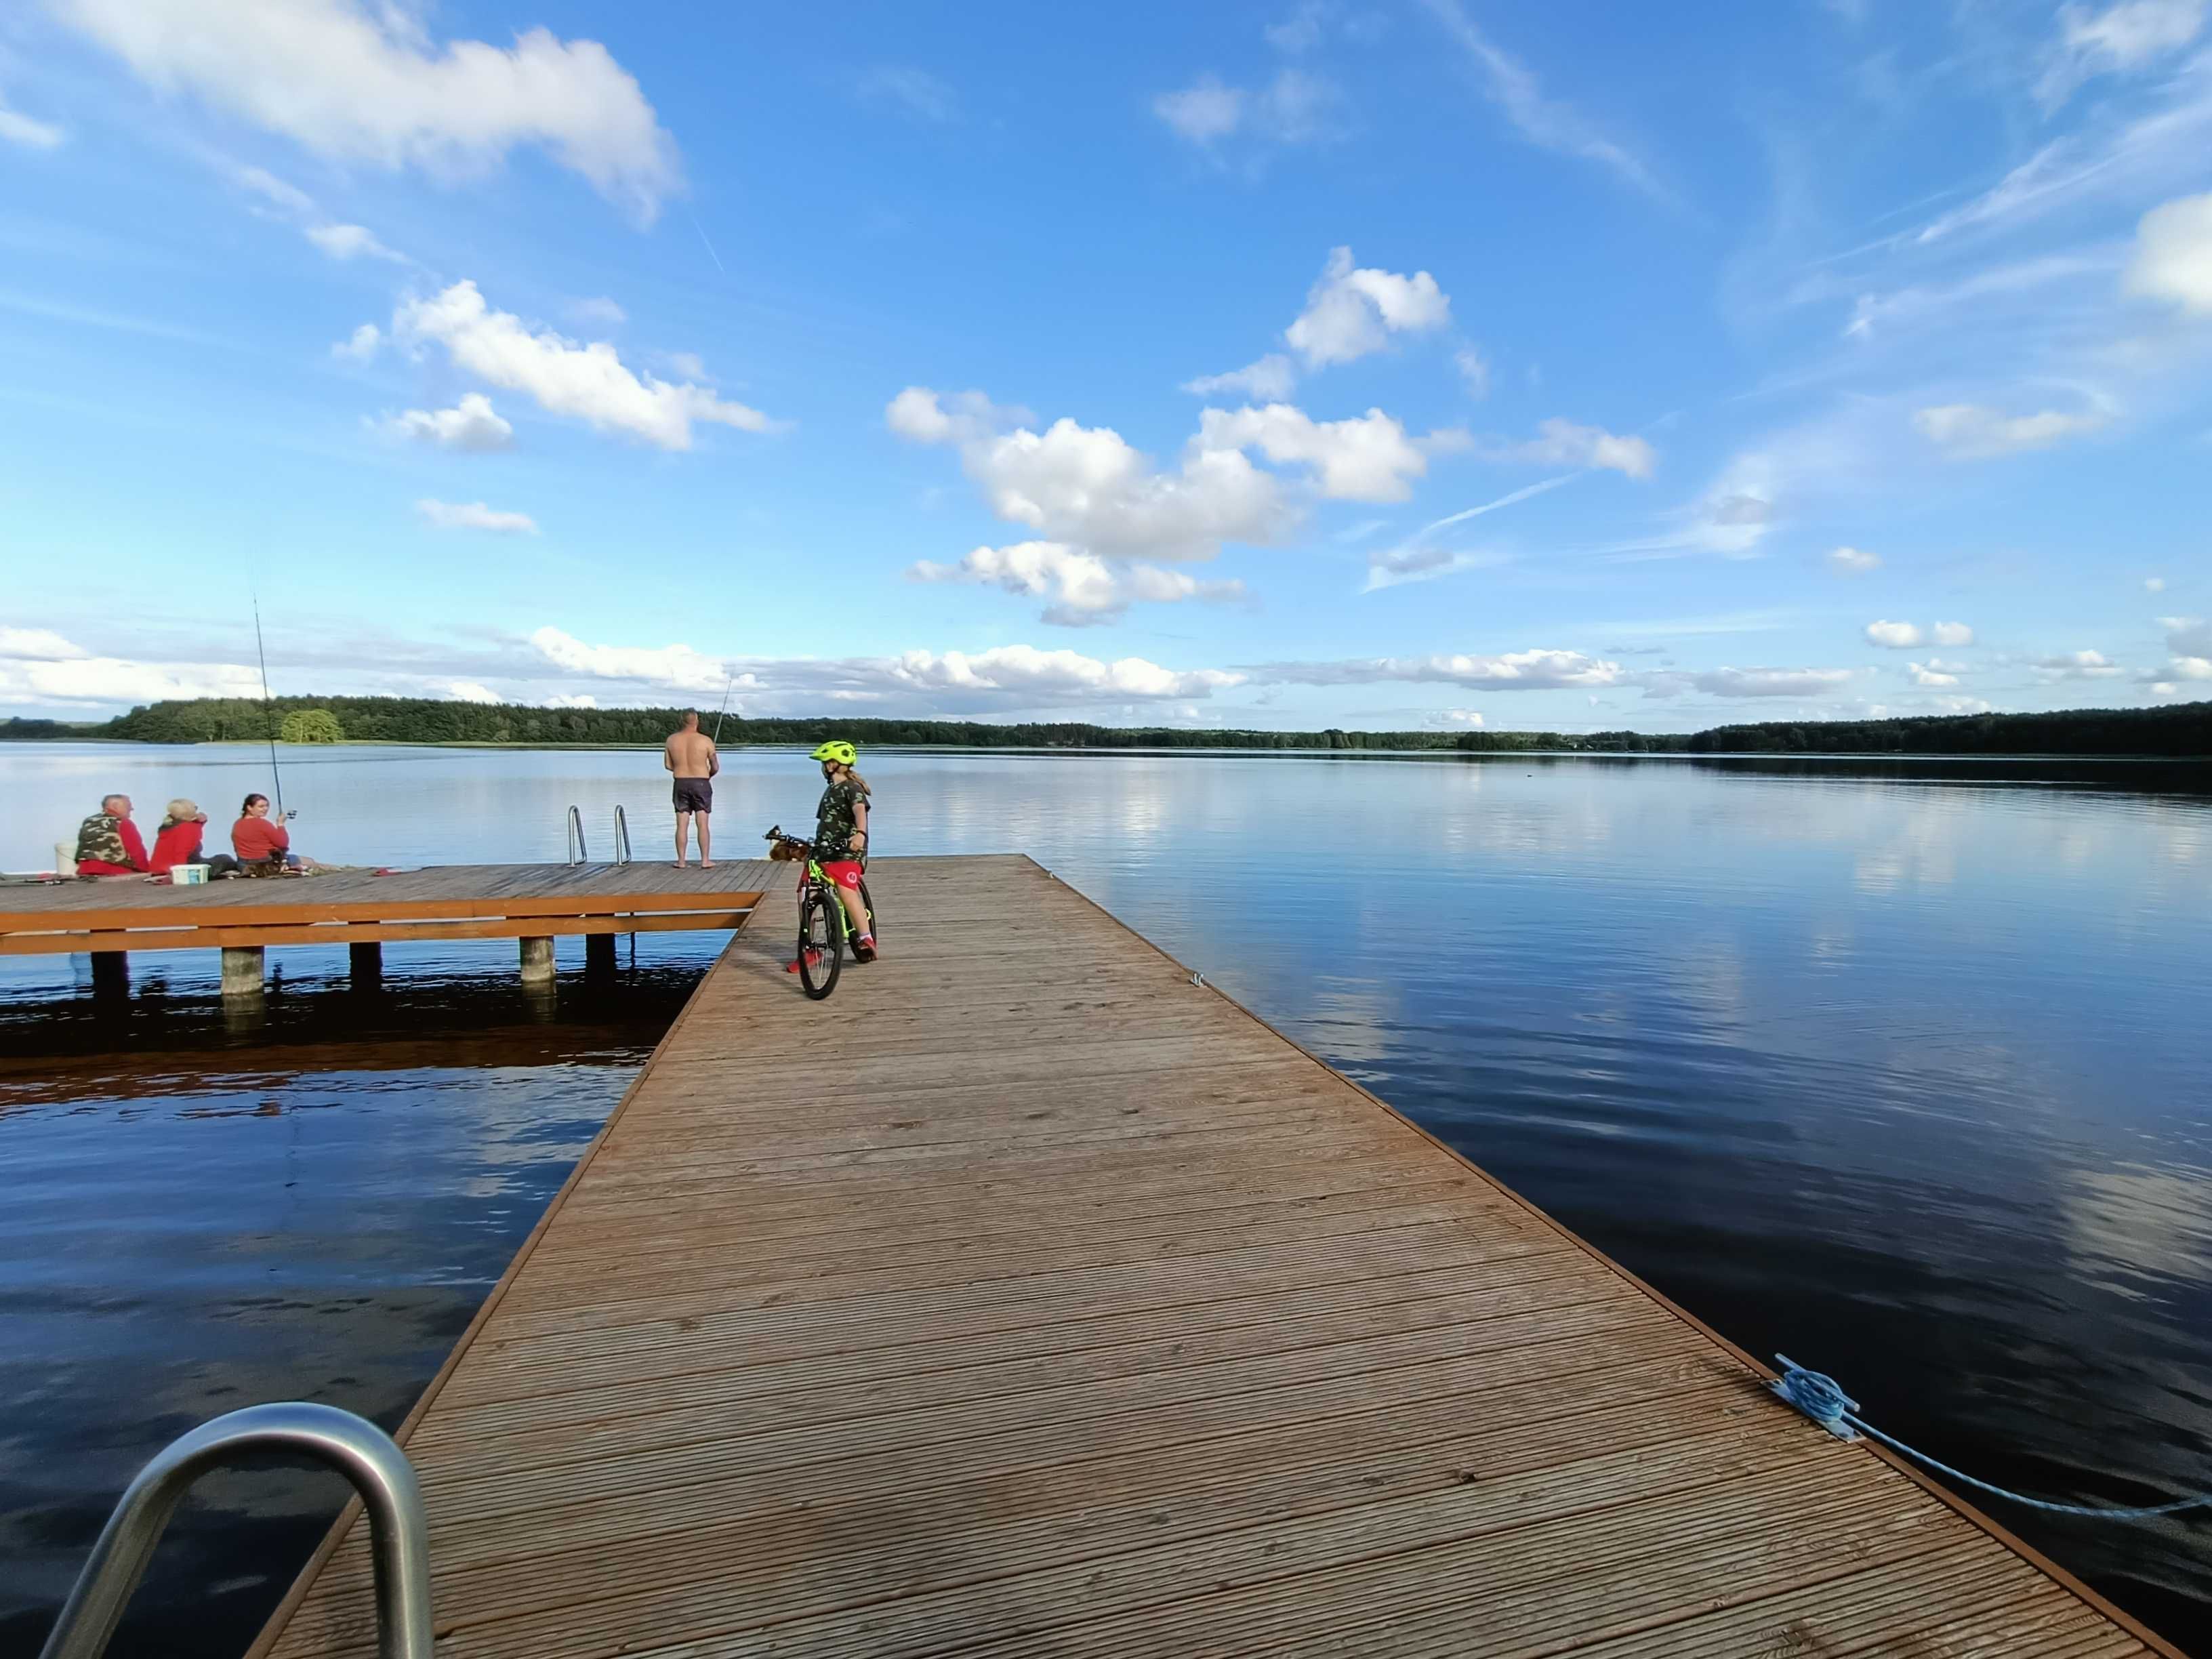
2176 729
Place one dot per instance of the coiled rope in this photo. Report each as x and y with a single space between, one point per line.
1821 1398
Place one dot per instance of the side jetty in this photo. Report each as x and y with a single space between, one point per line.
1029 1298
532 903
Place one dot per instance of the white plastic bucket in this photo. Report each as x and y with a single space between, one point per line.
189 875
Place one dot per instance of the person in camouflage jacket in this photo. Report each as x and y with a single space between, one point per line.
108 843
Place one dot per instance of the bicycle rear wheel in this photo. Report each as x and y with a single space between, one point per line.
821 943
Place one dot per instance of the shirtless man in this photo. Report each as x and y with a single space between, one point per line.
690 755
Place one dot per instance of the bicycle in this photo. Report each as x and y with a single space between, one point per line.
825 931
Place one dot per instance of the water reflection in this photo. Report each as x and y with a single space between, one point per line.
1896 1067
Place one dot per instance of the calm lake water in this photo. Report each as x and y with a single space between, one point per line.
1900 1068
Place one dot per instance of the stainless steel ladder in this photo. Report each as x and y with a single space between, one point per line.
356 1448
577 854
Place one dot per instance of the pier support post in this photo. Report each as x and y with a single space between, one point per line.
537 961
111 974
600 956
242 970
366 964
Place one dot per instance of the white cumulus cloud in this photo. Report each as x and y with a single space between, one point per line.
1353 312
1894 636
360 81
471 424
1084 588
1368 459
1853 561
589 383
1951 633
1927 674
2173 255
1976 432
475 516
471 691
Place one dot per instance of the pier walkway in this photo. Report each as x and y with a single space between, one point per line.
1027 1298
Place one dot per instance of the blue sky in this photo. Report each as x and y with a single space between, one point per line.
1383 363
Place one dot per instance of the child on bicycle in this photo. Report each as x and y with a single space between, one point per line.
841 838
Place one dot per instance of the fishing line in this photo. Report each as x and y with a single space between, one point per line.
268 708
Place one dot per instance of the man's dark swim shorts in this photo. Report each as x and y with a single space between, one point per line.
695 794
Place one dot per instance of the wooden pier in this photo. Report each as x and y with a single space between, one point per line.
1028 1299
534 904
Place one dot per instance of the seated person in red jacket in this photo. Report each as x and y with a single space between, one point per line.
178 840
108 843
262 843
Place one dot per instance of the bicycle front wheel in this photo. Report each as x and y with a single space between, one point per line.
821 944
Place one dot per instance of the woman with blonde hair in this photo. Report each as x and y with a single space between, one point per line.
178 840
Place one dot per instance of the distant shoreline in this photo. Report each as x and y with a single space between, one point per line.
299 750
2171 731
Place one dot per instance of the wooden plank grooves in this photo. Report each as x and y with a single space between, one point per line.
455 902
1027 1299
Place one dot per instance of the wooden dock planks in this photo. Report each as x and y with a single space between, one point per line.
444 901
1025 1298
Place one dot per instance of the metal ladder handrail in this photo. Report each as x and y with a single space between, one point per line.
577 853
622 836
398 1540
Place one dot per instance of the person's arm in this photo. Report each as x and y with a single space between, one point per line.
134 846
861 821
714 760
668 755
280 838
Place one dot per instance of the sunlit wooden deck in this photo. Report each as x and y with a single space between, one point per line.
1026 1298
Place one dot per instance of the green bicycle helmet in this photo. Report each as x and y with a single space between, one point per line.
843 753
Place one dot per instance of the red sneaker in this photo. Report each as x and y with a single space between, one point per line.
813 960
863 948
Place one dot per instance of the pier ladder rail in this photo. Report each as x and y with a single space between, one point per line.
356 1448
577 854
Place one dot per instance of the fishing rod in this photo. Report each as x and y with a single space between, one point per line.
268 708
725 709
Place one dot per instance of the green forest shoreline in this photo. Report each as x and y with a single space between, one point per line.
2177 731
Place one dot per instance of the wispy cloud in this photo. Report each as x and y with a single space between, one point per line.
17 127
1421 558
1513 87
1296 106
912 92
475 516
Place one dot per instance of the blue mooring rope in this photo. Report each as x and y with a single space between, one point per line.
1819 1398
